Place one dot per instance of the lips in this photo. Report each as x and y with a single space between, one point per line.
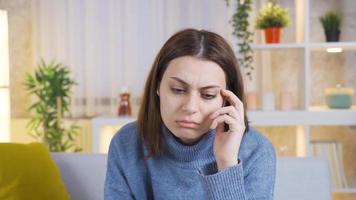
187 124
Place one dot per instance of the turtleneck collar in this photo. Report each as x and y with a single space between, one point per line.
188 156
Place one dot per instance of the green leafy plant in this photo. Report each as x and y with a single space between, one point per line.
272 15
51 85
244 36
330 21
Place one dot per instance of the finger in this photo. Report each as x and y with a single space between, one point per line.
229 110
232 98
223 119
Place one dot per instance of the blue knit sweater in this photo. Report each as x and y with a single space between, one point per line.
188 172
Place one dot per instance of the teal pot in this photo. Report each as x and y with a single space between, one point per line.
340 101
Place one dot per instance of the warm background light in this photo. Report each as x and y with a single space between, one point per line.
334 50
107 132
4 79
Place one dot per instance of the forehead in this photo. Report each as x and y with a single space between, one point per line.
195 71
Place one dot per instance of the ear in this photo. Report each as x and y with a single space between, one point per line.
157 91
158 88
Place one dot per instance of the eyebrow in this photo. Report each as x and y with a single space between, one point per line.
185 83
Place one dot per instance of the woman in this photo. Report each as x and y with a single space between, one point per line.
192 139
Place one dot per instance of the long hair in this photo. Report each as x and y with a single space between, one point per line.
189 42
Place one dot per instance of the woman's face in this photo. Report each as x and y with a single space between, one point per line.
189 92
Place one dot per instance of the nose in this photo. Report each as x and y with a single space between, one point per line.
191 104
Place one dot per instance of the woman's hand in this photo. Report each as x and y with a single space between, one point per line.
227 144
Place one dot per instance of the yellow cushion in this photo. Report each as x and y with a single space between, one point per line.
27 172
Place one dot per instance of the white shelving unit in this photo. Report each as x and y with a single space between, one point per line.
306 116
316 116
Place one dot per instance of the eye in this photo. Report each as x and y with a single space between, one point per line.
208 96
178 90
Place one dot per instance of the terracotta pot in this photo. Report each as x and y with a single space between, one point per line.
272 35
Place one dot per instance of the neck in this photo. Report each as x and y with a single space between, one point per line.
189 154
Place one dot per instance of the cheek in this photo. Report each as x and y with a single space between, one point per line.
168 104
212 106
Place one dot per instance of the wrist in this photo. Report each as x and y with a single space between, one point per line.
222 165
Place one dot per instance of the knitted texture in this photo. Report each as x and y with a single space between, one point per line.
188 172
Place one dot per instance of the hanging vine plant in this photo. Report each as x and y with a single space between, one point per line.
244 36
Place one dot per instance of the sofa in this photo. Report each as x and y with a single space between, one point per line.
296 178
30 171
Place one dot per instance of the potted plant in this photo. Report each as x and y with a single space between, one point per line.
331 22
271 18
51 85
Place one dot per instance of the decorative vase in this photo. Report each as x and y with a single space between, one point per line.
286 100
124 105
332 35
251 100
268 101
272 35
339 97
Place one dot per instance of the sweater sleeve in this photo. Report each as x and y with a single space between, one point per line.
255 183
116 186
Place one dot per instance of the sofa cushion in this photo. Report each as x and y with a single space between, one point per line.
83 174
28 172
302 179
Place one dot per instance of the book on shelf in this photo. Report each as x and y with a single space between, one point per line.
332 152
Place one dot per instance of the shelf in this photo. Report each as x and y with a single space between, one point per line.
326 109
313 46
111 120
344 190
323 46
314 116
278 46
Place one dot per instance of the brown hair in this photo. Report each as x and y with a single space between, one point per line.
189 42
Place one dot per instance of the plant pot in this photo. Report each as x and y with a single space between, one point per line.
332 35
272 35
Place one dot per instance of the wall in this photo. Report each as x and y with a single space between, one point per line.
20 35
